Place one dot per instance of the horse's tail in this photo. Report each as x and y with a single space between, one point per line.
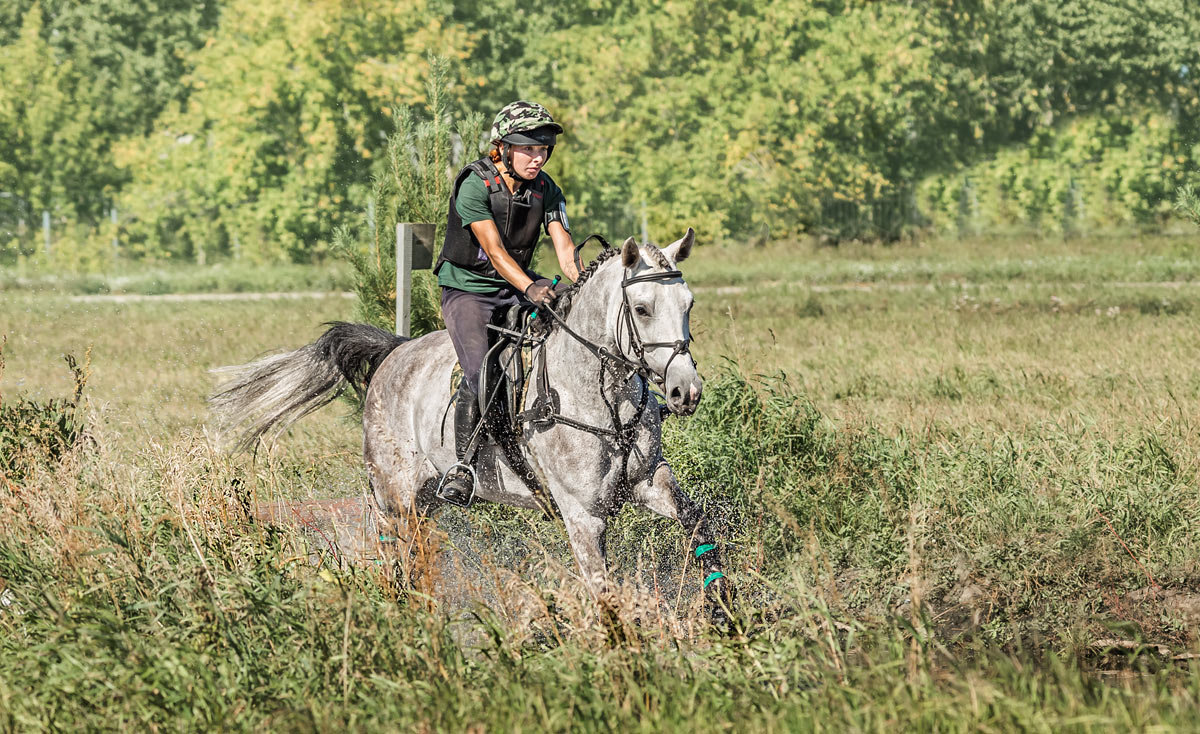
278 390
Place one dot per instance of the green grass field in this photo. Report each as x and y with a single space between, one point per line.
956 481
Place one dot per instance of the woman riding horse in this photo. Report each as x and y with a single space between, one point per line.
591 434
498 208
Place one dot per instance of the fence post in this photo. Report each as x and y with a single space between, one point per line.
414 251
46 228
968 209
115 242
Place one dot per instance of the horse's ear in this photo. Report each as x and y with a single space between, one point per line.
681 248
630 253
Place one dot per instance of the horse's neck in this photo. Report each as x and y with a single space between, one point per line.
592 316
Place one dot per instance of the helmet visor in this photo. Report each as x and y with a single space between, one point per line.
541 136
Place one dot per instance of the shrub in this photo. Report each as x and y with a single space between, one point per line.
39 433
1187 203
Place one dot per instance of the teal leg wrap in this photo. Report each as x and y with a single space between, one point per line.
713 577
702 549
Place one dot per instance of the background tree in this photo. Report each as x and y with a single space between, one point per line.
423 152
77 78
290 109
256 128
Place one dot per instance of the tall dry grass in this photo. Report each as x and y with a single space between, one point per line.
961 505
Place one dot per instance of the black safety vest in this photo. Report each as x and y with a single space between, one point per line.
518 217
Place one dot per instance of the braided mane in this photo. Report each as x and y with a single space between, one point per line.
567 295
660 258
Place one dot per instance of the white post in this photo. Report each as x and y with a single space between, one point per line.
116 243
46 228
404 246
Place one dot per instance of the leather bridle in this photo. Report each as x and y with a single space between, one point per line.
636 343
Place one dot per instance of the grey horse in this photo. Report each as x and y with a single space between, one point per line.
595 441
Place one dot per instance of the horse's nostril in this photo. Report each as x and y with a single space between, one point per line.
676 394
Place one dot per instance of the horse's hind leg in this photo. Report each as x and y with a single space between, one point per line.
403 497
663 495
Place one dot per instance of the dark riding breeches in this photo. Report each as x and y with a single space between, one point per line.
467 316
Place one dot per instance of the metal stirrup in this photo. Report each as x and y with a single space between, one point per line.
459 466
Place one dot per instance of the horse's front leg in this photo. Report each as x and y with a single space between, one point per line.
661 493
585 530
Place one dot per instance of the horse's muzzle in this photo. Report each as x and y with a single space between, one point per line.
684 399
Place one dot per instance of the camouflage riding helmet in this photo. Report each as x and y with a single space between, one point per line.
525 123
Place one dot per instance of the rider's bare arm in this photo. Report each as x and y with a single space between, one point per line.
564 248
489 238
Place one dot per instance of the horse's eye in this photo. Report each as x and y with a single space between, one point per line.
641 310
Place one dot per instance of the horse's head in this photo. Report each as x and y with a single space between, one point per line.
653 326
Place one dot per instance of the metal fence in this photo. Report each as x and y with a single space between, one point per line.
901 212
887 216
25 230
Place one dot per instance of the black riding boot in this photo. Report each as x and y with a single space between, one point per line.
458 488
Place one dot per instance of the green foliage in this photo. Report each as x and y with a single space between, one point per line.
944 519
77 77
415 187
1054 58
38 433
744 124
1094 172
242 642
50 154
164 604
274 148
782 481
1187 203
242 129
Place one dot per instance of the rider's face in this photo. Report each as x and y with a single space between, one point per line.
529 159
